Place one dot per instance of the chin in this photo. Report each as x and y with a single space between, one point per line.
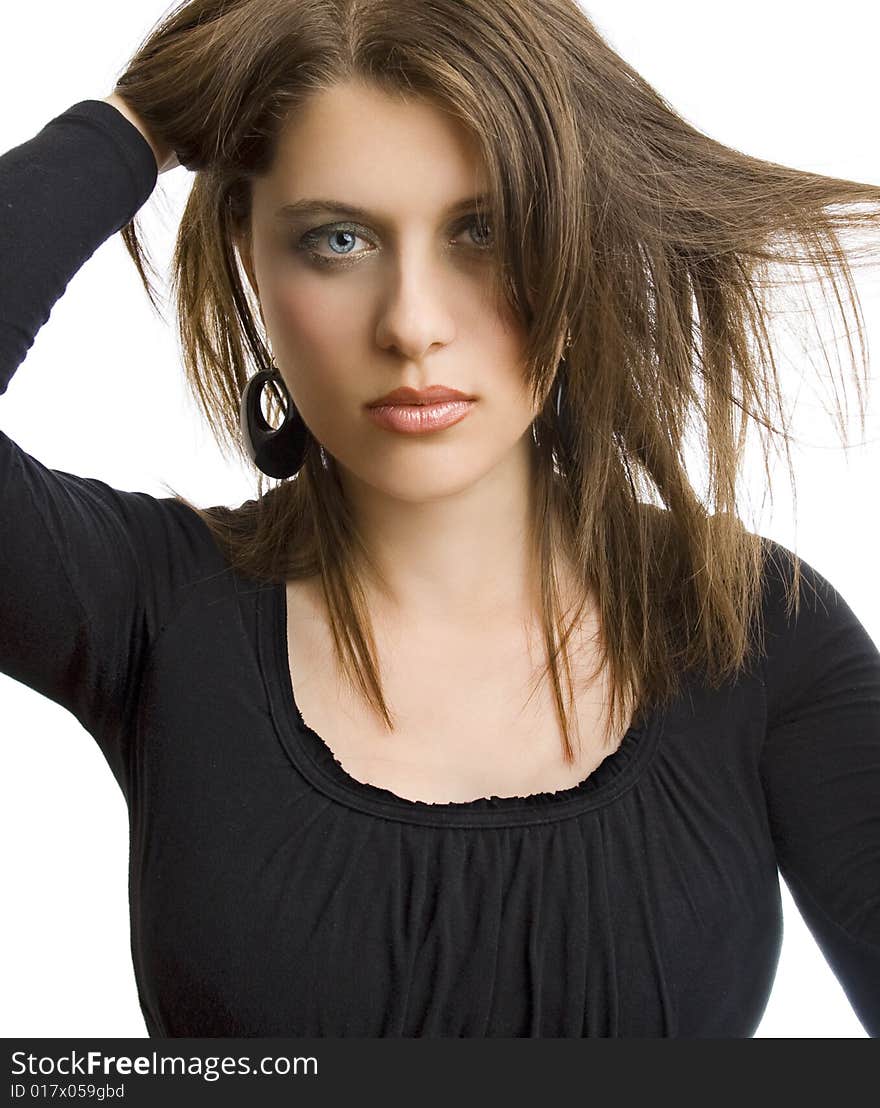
421 480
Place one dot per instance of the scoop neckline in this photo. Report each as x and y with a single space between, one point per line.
317 763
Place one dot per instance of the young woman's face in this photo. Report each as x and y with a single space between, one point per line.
402 295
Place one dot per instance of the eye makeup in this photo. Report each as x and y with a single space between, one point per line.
317 235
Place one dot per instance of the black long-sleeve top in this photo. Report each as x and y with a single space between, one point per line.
272 894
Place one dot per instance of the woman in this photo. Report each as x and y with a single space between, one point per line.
363 799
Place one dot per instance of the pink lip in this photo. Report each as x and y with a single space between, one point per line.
431 395
419 419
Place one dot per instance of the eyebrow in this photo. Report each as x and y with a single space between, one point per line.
315 206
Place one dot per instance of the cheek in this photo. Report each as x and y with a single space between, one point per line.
314 341
505 372
307 323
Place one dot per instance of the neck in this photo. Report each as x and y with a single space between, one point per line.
465 557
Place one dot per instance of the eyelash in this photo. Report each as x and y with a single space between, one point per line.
316 234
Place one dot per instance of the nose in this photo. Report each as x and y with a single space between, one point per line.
416 311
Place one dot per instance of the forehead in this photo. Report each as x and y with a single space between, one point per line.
375 150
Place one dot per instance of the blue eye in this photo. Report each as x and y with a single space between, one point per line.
341 237
337 231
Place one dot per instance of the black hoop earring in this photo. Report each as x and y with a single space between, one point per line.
278 452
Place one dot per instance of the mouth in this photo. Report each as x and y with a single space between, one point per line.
433 394
421 418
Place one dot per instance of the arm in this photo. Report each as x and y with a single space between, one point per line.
820 769
87 571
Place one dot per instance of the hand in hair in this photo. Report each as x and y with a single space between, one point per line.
166 158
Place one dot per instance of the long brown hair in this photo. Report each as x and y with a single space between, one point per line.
654 247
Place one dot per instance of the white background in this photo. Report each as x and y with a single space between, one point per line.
101 394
